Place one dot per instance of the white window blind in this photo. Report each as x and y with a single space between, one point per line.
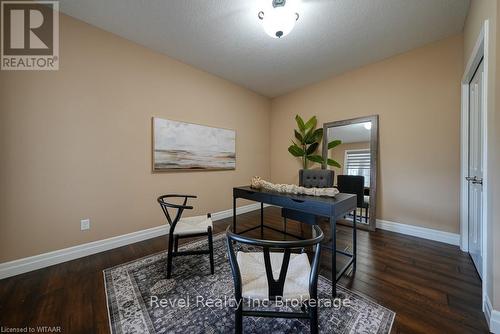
357 162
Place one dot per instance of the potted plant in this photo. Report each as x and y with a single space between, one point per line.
306 143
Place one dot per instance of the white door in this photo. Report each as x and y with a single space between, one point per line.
475 177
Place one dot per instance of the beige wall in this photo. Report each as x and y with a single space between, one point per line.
76 143
481 10
417 95
338 154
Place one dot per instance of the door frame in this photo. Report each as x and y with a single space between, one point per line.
480 52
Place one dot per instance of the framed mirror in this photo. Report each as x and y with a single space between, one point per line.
357 156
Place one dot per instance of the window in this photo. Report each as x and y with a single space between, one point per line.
357 162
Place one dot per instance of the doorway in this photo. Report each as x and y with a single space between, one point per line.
474 185
475 168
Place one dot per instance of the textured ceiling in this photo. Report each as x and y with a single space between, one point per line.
225 37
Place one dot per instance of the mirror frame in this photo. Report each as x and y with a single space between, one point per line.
373 162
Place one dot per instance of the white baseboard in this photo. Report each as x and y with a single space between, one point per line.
487 308
421 232
495 322
20 266
492 316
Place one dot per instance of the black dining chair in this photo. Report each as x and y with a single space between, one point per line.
309 178
254 276
185 228
366 205
316 178
354 184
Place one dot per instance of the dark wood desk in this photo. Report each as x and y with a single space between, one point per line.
329 207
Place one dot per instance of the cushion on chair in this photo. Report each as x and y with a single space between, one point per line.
316 178
254 278
192 225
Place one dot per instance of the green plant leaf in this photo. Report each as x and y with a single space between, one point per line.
300 123
308 137
318 134
312 148
315 158
331 162
334 143
311 123
299 136
296 151
313 136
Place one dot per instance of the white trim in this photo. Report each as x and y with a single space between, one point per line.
26 264
492 316
20 266
487 308
495 322
421 232
464 171
480 51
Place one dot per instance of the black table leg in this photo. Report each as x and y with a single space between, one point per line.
262 220
234 214
333 232
354 245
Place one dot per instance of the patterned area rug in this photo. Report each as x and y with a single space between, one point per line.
141 300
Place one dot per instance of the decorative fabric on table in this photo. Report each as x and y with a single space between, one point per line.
258 183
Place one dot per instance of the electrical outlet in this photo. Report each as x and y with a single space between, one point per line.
85 224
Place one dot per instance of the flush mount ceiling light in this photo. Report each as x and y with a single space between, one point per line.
278 20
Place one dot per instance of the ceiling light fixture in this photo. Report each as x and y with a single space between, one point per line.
279 19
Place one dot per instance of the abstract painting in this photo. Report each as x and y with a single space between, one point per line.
187 146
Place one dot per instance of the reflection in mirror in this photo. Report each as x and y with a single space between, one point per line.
354 155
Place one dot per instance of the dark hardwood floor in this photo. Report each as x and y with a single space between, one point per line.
433 287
